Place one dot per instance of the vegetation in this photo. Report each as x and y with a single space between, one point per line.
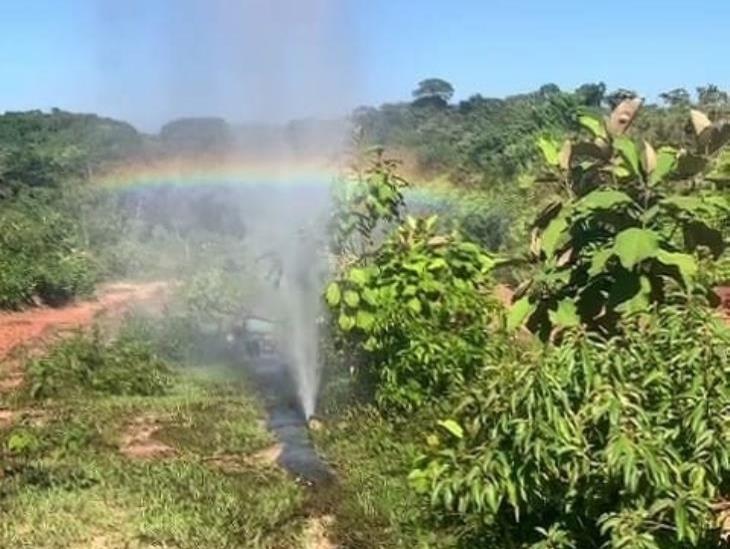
126 366
612 432
618 442
590 412
42 253
631 224
70 476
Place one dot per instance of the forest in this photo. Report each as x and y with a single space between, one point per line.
520 322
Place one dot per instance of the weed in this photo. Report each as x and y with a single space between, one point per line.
124 366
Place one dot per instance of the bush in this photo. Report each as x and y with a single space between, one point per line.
621 442
41 254
86 363
419 314
630 229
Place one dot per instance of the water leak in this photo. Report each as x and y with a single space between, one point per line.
287 419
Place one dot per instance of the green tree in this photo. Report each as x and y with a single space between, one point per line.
678 97
591 94
710 96
433 91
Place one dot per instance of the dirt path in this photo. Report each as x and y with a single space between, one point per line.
19 329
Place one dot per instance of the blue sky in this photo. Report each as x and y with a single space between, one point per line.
147 61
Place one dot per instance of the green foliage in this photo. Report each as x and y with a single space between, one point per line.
213 296
433 91
419 313
370 194
126 365
42 149
631 226
65 484
372 502
196 135
41 253
620 442
480 140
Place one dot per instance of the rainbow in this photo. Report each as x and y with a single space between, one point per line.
277 174
215 172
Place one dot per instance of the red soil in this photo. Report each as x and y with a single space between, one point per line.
18 329
724 293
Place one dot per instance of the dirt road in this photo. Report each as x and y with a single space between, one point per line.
18 329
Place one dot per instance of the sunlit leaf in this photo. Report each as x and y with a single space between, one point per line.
346 322
700 122
351 298
603 199
333 294
686 263
593 124
452 427
599 260
666 162
549 150
358 276
629 152
553 234
623 115
364 320
635 245
518 313
566 315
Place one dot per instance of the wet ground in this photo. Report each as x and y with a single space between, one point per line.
285 418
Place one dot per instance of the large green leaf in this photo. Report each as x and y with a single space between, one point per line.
352 298
553 234
629 152
666 162
598 261
520 310
602 199
549 150
358 276
370 296
692 204
414 305
452 427
365 320
593 124
686 263
346 322
333 294
566 315
635 245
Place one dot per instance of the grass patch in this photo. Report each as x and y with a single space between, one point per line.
64 482
84 363
373 504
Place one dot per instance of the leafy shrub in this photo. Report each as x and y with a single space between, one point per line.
41 254
629 228
370 197
419 313
214 296
86 363
620 442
